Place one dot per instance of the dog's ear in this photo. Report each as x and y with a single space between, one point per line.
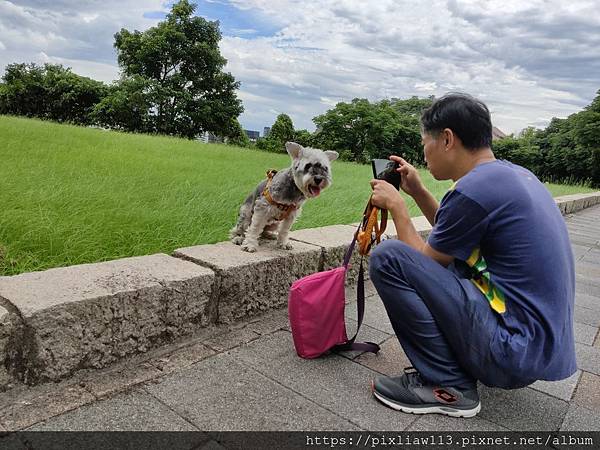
331 155
294 150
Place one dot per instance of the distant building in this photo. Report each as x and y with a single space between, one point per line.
266 131
203 137
497 133
252 135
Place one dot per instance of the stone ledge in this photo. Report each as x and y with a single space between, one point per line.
569 204
249 283
90 315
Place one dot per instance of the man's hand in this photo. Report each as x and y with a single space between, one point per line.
411 181
385 196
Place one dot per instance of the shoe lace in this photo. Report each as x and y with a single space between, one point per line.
413 376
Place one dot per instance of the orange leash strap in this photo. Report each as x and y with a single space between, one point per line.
370 230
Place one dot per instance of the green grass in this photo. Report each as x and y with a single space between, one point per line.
72 195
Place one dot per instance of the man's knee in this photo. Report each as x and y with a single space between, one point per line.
388 255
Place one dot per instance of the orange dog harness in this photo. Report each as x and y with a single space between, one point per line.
286 209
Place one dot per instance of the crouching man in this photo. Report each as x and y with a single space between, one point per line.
489 296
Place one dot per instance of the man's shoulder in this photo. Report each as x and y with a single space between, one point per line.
496 183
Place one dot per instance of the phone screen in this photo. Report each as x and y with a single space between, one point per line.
384 169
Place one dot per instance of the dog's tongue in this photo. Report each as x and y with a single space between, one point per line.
314 190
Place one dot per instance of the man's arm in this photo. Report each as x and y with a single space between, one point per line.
411 184
427 204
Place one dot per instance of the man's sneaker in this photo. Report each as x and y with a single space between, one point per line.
409 394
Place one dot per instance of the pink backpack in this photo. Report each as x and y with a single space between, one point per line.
316 311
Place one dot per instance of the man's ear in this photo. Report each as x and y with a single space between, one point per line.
293 149
449 138
331 155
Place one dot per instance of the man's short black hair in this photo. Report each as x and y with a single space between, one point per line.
466 116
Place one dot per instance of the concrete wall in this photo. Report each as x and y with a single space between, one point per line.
55 322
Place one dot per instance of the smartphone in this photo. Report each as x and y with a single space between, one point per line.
384 169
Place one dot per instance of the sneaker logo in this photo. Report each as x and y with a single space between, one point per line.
444 396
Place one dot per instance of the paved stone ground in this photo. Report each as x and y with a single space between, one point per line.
248 377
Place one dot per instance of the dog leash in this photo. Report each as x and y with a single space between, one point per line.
369 232
350 344
285 208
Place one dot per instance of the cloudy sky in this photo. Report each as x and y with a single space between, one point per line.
528 60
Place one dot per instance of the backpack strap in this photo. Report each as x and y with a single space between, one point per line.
360 302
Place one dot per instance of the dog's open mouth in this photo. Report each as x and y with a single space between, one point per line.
314 190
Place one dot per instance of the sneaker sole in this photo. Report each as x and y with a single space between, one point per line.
452 412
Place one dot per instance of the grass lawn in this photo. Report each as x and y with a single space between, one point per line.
72 195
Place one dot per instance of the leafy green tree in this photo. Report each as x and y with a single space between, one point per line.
49 92
413 106
179 66
238 136
302 137
126 107
281 132
362 130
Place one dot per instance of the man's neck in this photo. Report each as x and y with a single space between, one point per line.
471 159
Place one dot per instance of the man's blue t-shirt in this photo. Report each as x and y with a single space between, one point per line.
503 223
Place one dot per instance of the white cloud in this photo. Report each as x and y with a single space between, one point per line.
529 61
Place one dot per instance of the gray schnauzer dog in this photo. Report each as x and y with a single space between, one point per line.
276 202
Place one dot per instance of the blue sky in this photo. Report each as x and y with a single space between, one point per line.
529 61
233 20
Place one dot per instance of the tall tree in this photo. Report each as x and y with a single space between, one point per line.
362 130
50 92
281 132
178 67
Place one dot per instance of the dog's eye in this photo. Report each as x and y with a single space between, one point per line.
307 167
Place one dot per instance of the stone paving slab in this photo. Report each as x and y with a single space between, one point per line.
562 389
132 411
333 382
366 334
251 283
579 251
391 359
591 257
522 409
221 394
375 314
588 358
586 316
586 289
587 279
26 412
579 418
585 334
94 314
588 301
588 392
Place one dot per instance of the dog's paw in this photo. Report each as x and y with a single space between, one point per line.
286 246
237 240
249 248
